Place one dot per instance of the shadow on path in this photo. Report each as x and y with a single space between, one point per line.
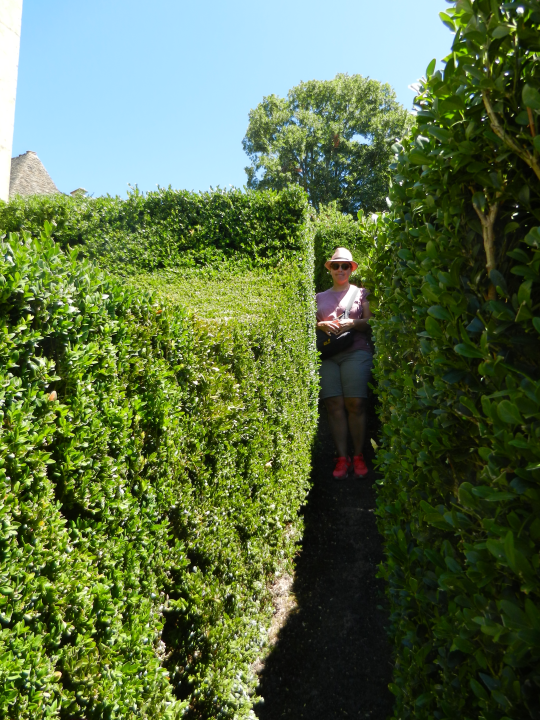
332 658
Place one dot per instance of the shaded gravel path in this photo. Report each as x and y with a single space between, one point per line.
332 658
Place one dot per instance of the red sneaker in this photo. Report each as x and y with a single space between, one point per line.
342 468
359 467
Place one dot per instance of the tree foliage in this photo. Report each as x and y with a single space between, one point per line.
331 137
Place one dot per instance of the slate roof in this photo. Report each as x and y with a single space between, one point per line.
29 177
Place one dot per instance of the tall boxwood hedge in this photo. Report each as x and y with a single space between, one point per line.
458 368
152 464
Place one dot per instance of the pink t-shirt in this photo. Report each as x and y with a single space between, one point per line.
331 304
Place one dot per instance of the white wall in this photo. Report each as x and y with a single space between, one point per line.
10 33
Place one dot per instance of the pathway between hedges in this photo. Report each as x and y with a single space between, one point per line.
332 657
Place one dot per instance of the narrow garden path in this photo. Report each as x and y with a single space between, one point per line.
332 657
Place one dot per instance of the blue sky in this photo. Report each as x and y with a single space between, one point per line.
112 92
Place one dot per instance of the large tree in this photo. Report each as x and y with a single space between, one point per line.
332 137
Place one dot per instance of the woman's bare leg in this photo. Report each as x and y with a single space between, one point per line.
337 418
356 410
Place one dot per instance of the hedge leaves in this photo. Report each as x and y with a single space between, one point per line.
458 371
152 462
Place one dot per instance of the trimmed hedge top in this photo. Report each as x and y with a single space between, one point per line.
169 228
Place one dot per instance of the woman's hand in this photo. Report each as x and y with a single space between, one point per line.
345 325
330 327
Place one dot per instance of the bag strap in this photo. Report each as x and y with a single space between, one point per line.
351 302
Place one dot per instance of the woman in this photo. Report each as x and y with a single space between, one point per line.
345 376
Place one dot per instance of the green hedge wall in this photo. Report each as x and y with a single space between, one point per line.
152 465
168 228
458 368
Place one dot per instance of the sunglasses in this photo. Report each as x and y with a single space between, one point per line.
343 266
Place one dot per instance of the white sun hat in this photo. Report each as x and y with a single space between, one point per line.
341 255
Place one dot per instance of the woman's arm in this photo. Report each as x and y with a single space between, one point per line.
361 324
330 327
366 312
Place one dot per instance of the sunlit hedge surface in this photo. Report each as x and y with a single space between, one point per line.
458 369
168 228
152 462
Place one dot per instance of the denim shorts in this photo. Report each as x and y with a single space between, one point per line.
347 373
